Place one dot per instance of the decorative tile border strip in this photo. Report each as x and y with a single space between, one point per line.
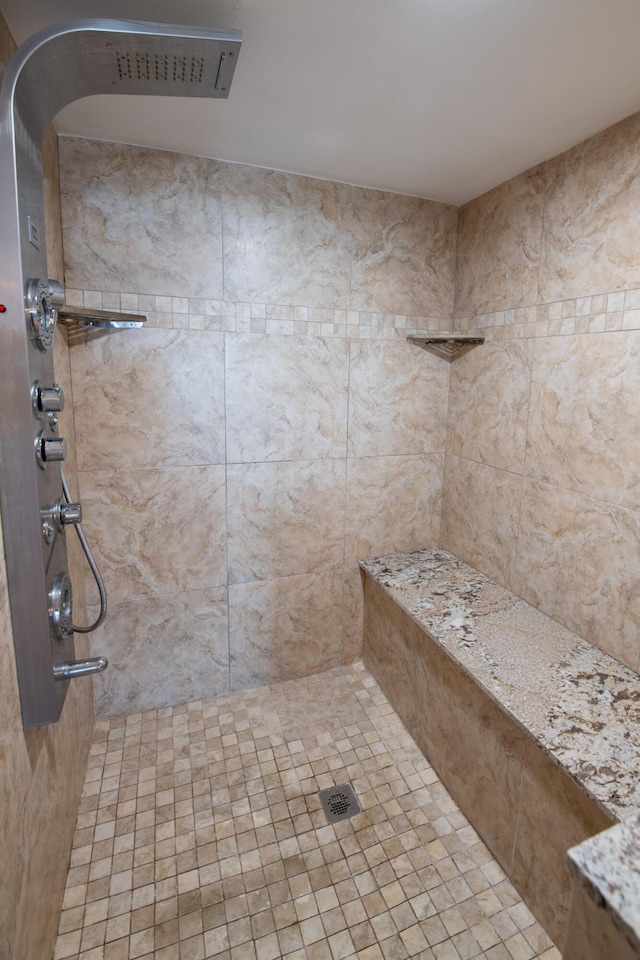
602 313
190 313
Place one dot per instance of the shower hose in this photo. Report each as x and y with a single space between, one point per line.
94 569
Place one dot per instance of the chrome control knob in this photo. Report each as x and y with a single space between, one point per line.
61 606
53 449
50 399
70 513
59 515
50 449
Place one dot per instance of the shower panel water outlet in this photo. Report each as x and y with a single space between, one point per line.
61 64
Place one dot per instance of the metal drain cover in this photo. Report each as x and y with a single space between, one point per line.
339 803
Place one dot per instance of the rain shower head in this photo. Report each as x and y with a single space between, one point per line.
151 58
81 58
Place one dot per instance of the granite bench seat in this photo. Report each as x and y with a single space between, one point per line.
535 732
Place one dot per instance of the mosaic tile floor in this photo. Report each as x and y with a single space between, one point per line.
200 835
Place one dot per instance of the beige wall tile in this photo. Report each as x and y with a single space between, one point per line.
499 237
480 515
158 531
287 239
592 213
393 503
555 808
353 610
404 258
137 220
284 629
582 406
162 651
488 404
583 422
393 652
145 398
397 400
473 746
286 398
592 932
285 518
577 561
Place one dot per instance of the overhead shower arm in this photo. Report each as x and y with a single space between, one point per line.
63 63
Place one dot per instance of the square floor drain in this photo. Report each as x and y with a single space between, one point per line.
339 803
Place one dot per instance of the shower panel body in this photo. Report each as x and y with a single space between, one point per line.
61 64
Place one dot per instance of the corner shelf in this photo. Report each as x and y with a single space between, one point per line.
450 346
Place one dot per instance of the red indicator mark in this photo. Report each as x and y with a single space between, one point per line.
3 309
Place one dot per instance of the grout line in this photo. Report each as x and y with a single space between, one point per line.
545 173
226 507
346 494
514 572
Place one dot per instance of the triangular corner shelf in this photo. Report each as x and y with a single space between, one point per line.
450 346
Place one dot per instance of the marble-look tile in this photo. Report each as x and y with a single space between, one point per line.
284 629
392 652
393 503
397 400
554 809
499 238
480 514
473 745
287 238
140 220
286 398
578 562
488 404
405 254
583 421
157 531
606 895
162 651
353 612
592 933
590 240
285 518
145 398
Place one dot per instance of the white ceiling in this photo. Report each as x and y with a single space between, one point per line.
436 98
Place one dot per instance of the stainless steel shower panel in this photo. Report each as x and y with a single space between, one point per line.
61 64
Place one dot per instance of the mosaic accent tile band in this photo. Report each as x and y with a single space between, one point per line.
192 313
606 312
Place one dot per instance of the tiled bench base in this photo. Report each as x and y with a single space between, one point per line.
525 806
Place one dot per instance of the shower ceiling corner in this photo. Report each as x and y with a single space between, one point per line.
71 60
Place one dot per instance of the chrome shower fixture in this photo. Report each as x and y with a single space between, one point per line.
74 59
83 324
